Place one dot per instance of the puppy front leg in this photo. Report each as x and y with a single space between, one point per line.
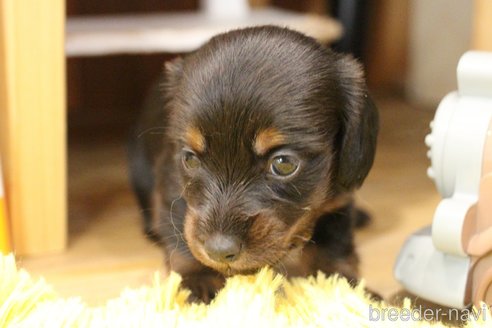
203 282
332 240
203 285
332 249
326 260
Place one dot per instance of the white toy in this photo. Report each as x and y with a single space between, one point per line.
450 262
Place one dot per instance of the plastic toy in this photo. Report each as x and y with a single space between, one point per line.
450 262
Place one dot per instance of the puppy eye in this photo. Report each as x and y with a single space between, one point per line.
190 160
284 165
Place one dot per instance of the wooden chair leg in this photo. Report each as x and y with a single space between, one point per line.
32 122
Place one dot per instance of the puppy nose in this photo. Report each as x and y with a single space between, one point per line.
223 248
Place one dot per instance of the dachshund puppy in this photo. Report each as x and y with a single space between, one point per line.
248 155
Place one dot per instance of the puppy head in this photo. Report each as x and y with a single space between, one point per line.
270 128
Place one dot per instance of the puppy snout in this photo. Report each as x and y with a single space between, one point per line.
223 248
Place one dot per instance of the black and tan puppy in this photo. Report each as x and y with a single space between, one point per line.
249 156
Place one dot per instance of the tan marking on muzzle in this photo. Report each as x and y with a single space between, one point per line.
197 250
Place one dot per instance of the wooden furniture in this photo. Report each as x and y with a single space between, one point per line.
32 122
178 32
482 25
4 228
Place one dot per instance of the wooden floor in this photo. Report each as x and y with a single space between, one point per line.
108 252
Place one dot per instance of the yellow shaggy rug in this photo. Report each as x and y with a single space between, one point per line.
262 300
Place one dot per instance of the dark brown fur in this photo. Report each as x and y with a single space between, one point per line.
243 98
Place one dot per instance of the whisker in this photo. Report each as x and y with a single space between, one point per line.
304 239
278 266
171 219
295 188
150 129
283 200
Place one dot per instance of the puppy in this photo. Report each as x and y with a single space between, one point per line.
248 154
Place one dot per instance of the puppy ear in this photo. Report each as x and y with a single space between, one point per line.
173 70
358 135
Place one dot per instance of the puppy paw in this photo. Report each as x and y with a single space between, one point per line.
203 286
374 296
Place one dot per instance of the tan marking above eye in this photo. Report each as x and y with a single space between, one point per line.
195 139
267 139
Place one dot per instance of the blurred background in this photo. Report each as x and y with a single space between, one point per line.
409 48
